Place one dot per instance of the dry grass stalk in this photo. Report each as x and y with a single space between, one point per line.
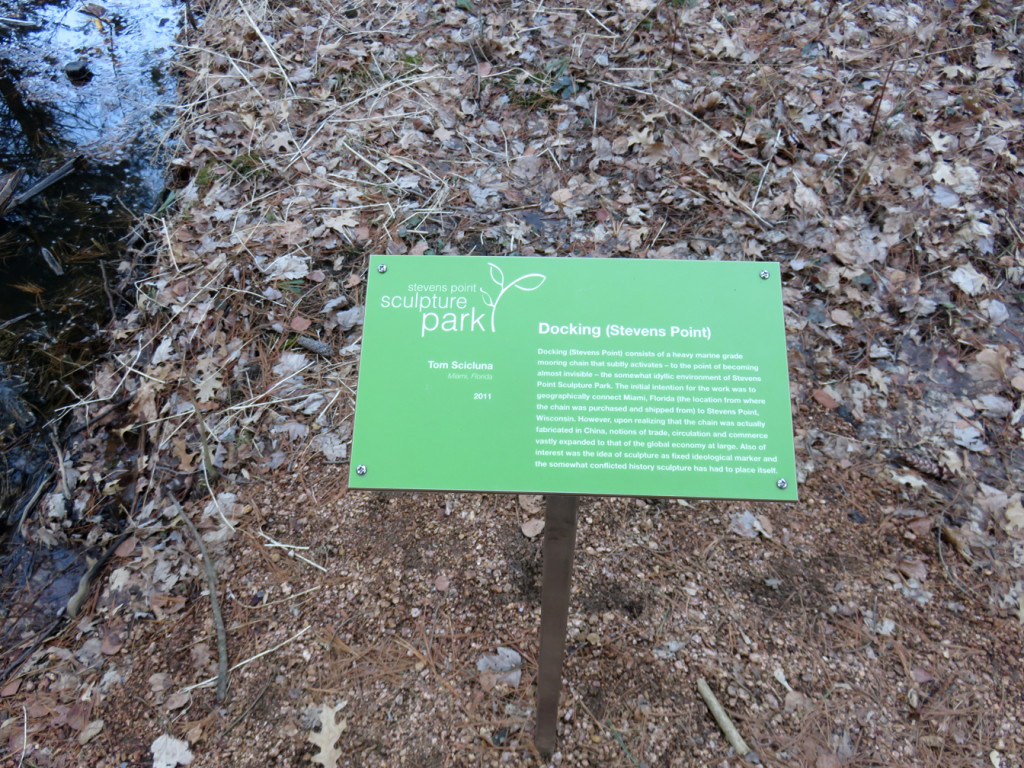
211 680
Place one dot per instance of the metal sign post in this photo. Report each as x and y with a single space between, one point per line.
569 377
560 515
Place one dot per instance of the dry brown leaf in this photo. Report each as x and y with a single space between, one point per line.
343 221
327 737
159 682
969 280
1015 517
825 399
126 547
562 196
841 317
912 568
177 701
958 539
111 639
921 526
186 459
806 198
209 386
201 657
921 676
501 668
164 605
169 752
990 363
91 731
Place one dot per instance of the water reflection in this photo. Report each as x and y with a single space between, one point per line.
115 120
126 47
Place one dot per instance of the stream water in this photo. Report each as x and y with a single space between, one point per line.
89 86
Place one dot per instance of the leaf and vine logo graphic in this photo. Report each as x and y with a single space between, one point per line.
529 282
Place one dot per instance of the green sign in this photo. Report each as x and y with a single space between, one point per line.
621 377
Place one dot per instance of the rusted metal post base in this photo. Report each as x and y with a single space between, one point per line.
559 546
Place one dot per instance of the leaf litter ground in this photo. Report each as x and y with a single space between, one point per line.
869 148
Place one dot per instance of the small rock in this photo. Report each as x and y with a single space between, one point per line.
532 528
78 72
796 701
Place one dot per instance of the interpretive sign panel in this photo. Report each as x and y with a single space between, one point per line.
623 377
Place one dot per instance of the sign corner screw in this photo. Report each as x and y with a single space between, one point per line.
361 470
765 274
382 268
782 482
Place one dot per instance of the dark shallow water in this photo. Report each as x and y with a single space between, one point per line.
52 325
115 121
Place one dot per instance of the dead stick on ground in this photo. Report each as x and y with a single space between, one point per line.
731 734
878 103
218 620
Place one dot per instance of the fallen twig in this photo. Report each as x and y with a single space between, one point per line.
106 289
877 105
315 345
291 549
21 23
248 709
24 735
47 181
209 471
28 506
732 735
13 320
218 619
292 596
102 414
15 665
8 184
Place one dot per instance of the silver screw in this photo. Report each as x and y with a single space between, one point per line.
765 274
361 470
382 268
782 484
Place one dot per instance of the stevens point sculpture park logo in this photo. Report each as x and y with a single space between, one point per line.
459 307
